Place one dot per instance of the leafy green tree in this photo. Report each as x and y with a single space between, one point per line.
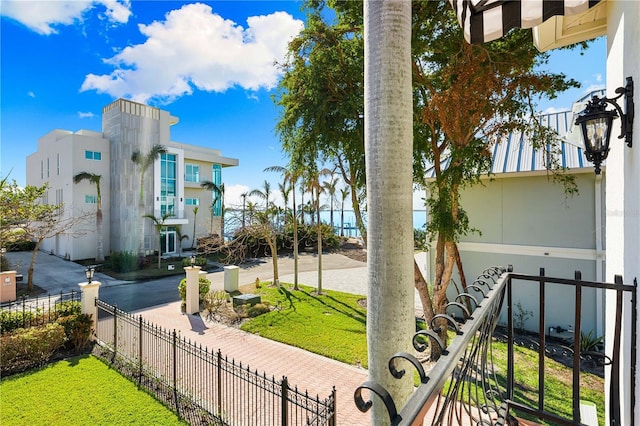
144 161
95 180
159 223
23 214
321 96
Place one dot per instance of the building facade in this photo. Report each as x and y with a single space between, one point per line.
169 188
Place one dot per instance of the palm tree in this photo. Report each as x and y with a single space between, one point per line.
291 177
195 214
179 239
264 194
329 187
218 195
144 161
95 179
388 146
244 202
316 187
344 193
159 224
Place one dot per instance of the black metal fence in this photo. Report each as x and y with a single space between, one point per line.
464 387
203 387
28 312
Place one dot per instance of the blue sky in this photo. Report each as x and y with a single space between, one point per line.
61 62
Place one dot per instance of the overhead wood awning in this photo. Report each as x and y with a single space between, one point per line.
487 20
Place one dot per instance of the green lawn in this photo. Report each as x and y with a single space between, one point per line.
332 324
82 391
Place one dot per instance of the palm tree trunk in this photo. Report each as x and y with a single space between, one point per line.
99 243
319 240
141 213
389 150
295 239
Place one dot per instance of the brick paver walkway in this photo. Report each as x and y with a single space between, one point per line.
308 371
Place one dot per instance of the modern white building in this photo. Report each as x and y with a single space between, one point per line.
171 185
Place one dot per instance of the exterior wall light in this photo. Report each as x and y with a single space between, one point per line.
89 273
192 260
595 123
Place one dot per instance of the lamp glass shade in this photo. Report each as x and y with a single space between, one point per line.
596 133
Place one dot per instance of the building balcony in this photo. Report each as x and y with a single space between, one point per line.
478 378
178 217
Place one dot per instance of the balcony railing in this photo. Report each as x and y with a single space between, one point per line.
464 387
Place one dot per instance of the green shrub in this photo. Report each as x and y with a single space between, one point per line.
28 348
10 321
203 284
20 245
69 307
200 261
123 261
77 329
257 310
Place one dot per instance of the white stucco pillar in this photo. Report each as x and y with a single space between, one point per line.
193 296
623 184
231 278
89 294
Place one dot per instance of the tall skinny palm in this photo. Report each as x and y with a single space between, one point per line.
193 237
292 177
344 193
316 188
144 161
218 195
329 187
244 204
263 194
159 224
95 180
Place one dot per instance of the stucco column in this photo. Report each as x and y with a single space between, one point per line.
231 278
623 184
193 296
90 292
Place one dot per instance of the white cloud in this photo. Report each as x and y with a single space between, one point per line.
44 16
197 48
86 114
598 77
232 196
31 94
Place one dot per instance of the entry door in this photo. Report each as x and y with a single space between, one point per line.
168 240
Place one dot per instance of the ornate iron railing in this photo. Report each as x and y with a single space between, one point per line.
463 386
203 386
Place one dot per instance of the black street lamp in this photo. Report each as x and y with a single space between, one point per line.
595 123
89 273
192 260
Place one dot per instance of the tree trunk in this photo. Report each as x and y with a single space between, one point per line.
389 156
274 256
356 211
319 241
99 243
32 265
295 239
141 213
423 291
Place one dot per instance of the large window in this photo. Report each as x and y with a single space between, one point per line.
192 201
168 183
217 179
192 173
91 199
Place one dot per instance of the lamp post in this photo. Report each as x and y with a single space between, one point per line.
192 260
89 273
595 123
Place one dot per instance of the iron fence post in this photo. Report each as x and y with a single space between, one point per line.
541 354
115 331
334 416
219 371
577 333
140 350
284 405
510 361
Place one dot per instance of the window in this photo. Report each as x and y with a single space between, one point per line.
48 168
91 199
168 190
217 179
192 201
93 155
58 164
192 173
41 169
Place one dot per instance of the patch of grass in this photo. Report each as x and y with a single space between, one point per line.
80 390
331 324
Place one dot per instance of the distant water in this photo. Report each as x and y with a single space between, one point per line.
419 220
